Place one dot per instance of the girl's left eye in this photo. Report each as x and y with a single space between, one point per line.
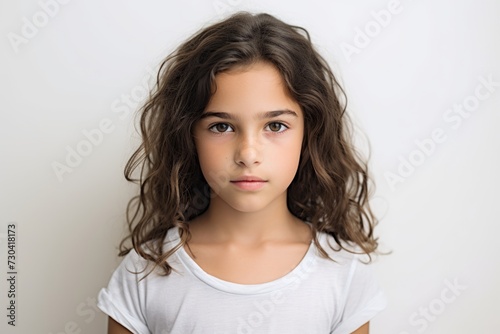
277 127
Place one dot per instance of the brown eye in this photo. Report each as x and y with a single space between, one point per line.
277 127
219 127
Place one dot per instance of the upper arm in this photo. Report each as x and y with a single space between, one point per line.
363 329
124 297
115 328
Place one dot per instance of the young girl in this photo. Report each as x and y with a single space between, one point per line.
253 211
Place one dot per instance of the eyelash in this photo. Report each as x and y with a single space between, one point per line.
220 133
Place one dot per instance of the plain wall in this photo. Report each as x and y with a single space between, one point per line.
416 89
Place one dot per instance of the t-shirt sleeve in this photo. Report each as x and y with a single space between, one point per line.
123 298
364 298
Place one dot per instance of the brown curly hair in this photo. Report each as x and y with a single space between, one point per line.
330 188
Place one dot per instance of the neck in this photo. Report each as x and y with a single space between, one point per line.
224 223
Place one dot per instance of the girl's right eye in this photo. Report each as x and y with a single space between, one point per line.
220 128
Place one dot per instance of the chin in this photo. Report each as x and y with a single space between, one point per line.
248 208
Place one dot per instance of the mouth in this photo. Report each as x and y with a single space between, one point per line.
248 179
249 184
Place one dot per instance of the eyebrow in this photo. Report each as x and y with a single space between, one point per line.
265 115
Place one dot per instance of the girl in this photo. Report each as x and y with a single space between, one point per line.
253 211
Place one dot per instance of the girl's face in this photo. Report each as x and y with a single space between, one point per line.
250 128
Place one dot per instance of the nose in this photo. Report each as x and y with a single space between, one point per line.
248 152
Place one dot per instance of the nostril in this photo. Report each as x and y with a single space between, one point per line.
247 156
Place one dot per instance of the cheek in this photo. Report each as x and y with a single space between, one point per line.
287 158
212 163
206 155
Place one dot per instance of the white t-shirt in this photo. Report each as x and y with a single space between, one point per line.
318 296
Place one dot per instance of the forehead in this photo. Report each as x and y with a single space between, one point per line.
254 88
259 73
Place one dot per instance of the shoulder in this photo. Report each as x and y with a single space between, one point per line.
353 282
131 269
134 262
348 252
346 265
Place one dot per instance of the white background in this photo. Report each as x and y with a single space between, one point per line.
440 221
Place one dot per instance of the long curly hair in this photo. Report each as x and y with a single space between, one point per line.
331 187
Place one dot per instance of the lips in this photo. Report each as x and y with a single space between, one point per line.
248 179
249 183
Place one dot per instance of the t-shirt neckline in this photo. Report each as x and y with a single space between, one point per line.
294 276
